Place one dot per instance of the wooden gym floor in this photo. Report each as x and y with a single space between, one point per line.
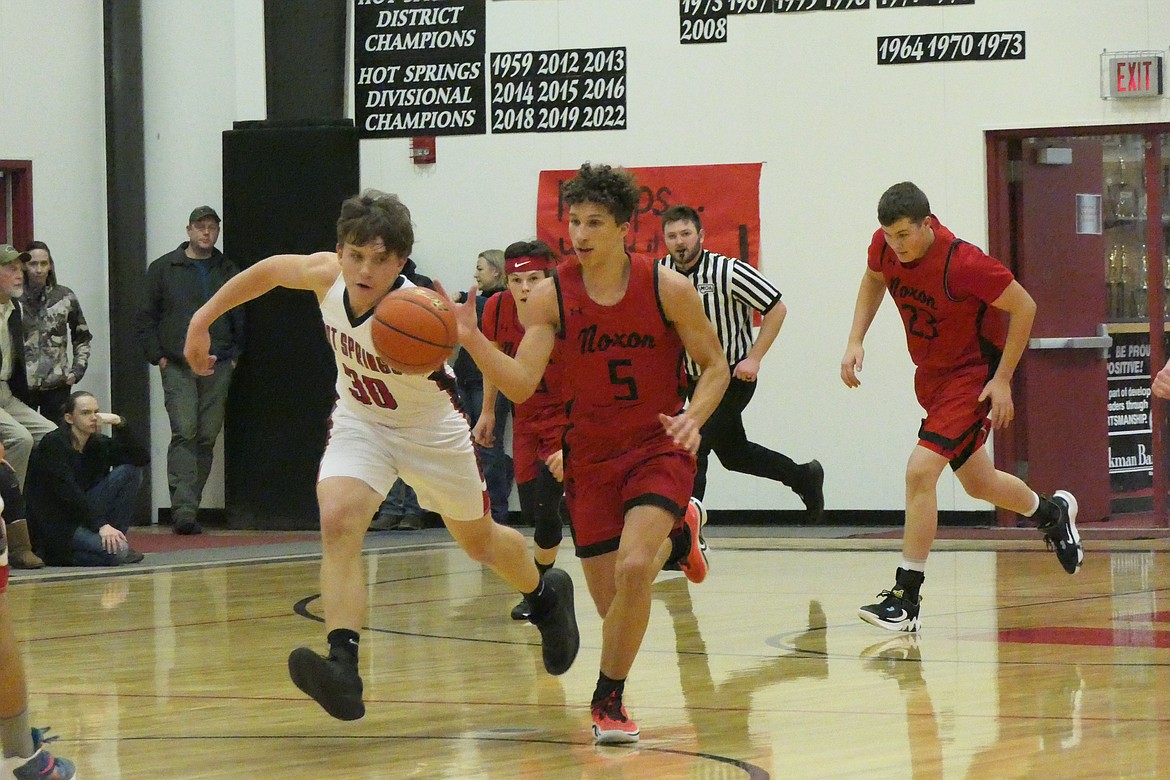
177 669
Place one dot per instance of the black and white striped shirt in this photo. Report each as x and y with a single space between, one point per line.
731 290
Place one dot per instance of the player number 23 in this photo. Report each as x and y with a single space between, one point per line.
922 323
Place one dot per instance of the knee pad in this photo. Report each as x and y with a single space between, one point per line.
550 495
548 532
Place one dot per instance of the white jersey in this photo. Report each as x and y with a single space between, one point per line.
369 389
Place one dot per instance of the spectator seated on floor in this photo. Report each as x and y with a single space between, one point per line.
82 488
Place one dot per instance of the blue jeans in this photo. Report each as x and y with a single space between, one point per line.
112 501
400 501
494 460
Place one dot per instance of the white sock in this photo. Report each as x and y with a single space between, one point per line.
918 566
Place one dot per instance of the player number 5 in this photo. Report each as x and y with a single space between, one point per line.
625 381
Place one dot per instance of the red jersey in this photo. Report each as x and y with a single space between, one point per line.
544 411
943 298
623 364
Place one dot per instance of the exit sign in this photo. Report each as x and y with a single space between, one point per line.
1131 75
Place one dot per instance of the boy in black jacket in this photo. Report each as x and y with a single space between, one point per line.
82 487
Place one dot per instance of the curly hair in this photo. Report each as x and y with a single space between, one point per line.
614 189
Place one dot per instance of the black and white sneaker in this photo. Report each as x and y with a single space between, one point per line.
1062 535
894 612
521 611
333 684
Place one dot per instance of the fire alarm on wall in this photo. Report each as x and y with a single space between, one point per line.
422 149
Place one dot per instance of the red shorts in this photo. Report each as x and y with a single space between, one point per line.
531 445
598 495
956 423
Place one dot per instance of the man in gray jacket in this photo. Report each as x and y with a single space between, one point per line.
177 284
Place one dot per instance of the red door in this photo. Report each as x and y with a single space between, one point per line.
1062 381
16 192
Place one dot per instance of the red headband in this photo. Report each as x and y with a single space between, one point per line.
528 263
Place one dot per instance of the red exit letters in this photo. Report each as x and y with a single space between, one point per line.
1135 76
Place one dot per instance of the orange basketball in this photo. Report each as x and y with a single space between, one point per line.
413 330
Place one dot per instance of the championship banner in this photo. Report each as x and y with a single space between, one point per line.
418 71
727 198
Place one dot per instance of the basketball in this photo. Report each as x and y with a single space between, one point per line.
413 330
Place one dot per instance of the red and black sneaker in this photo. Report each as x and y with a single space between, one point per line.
694 563
611 724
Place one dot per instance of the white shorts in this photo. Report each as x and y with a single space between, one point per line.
438 462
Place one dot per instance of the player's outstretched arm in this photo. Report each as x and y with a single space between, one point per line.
315 272
484 430
517 378
869 298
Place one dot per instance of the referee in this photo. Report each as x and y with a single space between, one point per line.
731 290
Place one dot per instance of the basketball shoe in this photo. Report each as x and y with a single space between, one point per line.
611 724
1061 534
812 492
41 765
521 611
698 506
332 683
898 608
694 563
559 638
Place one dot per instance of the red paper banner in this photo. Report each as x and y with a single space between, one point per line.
727 198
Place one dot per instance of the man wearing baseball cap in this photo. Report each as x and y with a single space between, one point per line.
177 284
20 425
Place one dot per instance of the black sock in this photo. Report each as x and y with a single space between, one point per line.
543 567
680 545
1047 514
606 686
343 645
540 601
910 582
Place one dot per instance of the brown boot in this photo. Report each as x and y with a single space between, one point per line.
20 554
